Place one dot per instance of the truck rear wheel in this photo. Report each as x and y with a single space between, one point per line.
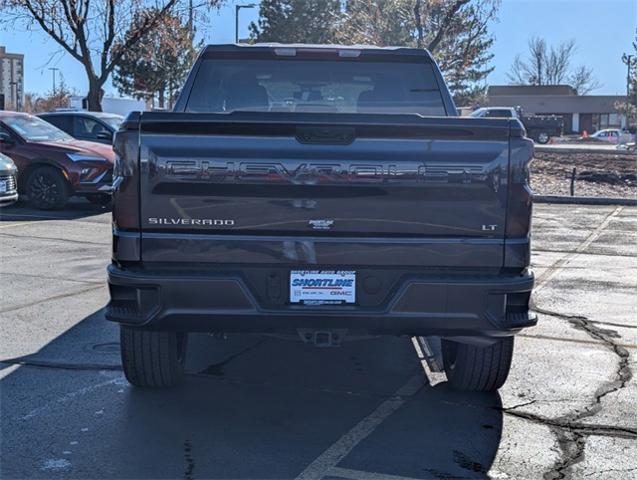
480 369
543 138
153 358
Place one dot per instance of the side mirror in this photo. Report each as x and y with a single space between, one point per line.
6 139
105 136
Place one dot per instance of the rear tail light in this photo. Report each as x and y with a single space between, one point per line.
126 177
519 208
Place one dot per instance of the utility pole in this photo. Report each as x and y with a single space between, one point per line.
628 60
53 71
236 19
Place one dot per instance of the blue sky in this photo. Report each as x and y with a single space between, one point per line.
603 29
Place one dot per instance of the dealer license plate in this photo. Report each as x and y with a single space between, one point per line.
3 186
322 287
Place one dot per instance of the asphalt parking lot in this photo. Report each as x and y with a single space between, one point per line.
262 407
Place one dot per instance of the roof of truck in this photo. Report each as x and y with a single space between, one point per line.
237 47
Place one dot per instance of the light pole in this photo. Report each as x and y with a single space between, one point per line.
236 18
53 71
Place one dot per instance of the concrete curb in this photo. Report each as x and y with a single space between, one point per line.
584 200
575 149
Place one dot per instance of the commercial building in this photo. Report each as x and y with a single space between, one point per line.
11 80
580 112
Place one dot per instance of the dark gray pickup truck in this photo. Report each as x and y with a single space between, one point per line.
323 191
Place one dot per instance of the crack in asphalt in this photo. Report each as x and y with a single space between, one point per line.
623 372
578 427
612 324
217 368
610 470
28 362
570 432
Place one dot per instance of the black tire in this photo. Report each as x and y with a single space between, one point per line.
543 138
478 369
153 359
47 188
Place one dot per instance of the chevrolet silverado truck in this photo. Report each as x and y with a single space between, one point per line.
322 191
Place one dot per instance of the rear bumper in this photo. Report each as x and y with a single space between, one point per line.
228 301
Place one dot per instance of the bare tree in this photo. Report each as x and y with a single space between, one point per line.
445 25
88 30
583 80
391 22
546 65
376 22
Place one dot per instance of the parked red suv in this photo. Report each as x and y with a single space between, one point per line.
52 165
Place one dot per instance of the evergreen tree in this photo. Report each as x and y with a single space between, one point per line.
296 21
454 31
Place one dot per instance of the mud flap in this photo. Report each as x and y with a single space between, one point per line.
431 348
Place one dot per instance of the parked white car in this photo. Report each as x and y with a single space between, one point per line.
611 135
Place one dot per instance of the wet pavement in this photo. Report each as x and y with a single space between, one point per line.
264 407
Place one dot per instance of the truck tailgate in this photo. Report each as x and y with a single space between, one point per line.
382 184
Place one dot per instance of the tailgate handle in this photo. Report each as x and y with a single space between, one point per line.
325 135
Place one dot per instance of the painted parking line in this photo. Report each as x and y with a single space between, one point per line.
543 279
344 445
67 397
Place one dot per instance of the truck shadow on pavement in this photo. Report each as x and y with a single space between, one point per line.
77 208
250 407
